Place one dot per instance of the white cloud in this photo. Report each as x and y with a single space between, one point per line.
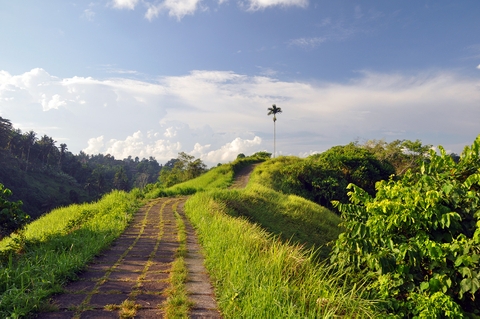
124 4
478 67
95 145
307 42
54 103
175 8
262 4
227 152
217 114
181 8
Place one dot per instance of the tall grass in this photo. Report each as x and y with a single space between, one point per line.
293 218
55 247
258 276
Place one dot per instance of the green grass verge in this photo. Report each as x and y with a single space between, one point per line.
55 247
258 276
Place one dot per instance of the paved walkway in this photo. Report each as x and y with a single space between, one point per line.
130 278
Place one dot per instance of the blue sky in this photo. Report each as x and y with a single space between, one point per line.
153 78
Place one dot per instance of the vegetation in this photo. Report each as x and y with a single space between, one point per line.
44 176
51 250
274 110
417 240
405 246
177 303
257 275
11 215
185 167
324 177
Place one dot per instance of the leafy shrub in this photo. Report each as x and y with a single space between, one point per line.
324 177
12 217
418 238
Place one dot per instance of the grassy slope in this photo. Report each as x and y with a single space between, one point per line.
258 274
255 272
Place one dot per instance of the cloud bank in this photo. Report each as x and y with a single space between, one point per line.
215 115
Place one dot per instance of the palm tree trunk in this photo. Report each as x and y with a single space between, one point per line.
274 139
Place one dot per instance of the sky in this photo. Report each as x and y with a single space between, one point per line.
158 77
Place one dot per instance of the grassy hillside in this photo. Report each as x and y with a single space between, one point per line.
262 248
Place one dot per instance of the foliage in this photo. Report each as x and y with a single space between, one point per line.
217 177
324 177
274 110
403 155
418 238
290 217
186 167
12 217
44 176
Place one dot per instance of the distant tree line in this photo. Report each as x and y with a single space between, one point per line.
44 175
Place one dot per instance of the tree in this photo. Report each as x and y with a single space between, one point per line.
63 148
186 167
12 217
5 128
274 110
404 155
29 139
120 180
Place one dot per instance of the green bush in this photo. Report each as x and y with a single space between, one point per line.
324 177
418 238
12 217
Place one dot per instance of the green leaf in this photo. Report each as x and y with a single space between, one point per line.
424 286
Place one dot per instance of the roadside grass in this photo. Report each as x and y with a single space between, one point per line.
256 275
53 248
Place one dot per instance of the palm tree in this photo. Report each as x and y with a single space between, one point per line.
274 110
5 131
29 140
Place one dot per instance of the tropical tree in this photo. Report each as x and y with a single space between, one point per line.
29 139
46 144
5 128
63 148
274 110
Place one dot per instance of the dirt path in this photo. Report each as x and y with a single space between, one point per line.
241 179
133 273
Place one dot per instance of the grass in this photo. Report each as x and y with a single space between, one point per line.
219 177
256 275
264 250
55 247
292 218
177 303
